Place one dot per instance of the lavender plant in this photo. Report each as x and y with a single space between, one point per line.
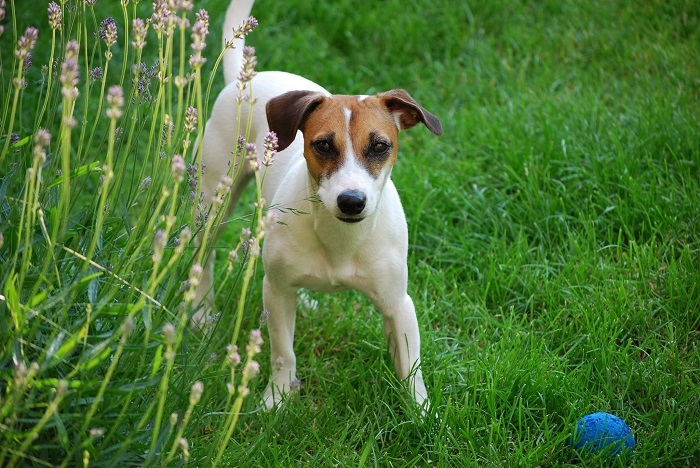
97 214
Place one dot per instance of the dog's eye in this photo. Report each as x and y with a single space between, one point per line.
380 148
323 146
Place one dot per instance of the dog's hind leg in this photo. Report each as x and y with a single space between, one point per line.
218 146
281 305
204 293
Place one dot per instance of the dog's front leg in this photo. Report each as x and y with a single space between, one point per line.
280 302
401 332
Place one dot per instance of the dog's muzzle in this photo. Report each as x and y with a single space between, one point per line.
351 203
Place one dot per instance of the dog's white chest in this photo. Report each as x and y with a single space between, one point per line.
326 277
314 269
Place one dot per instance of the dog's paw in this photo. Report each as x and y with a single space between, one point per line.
275 395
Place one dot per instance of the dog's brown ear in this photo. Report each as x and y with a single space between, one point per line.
287 112
409 112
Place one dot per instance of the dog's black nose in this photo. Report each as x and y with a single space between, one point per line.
352 202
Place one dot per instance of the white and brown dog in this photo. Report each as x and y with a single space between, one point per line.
334 163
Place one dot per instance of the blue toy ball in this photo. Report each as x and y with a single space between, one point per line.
603 433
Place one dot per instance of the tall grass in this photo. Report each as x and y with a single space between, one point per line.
99 264
553 257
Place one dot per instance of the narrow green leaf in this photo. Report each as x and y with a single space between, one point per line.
157 360
140 385
78 172
40 384
22 142
55 344
88 278
12 299
37 299
84 283
71 342
365 453
92 291
95 356
61 430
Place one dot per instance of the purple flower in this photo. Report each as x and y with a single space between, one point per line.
96 74
42 137
161 17
251 369
14 138
138 31
27 64
55 16
70 72
191 119
26 43
178 168
181 5
248 68
196 272
270 145
2 15
196 392
169 333
108 31
115 98
200 30
159 241
242 30
145 183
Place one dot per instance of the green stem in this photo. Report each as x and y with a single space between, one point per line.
64 196
99 109
235 413
181 74
180 431
104 191
15 99
47 97
163 390
250 268
14 64
105 381
30 206
125 60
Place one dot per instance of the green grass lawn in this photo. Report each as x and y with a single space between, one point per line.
554 239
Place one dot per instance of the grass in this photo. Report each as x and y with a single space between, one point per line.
553 258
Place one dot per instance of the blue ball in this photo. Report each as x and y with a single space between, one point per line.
603 433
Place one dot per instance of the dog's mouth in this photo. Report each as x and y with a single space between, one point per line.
350 220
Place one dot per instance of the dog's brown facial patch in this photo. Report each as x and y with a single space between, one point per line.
343 127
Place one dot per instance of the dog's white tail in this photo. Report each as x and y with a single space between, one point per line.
237 12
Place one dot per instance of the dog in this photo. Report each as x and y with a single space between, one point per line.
334 161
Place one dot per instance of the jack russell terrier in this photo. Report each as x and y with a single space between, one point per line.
334 164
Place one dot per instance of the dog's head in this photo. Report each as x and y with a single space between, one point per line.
350 142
